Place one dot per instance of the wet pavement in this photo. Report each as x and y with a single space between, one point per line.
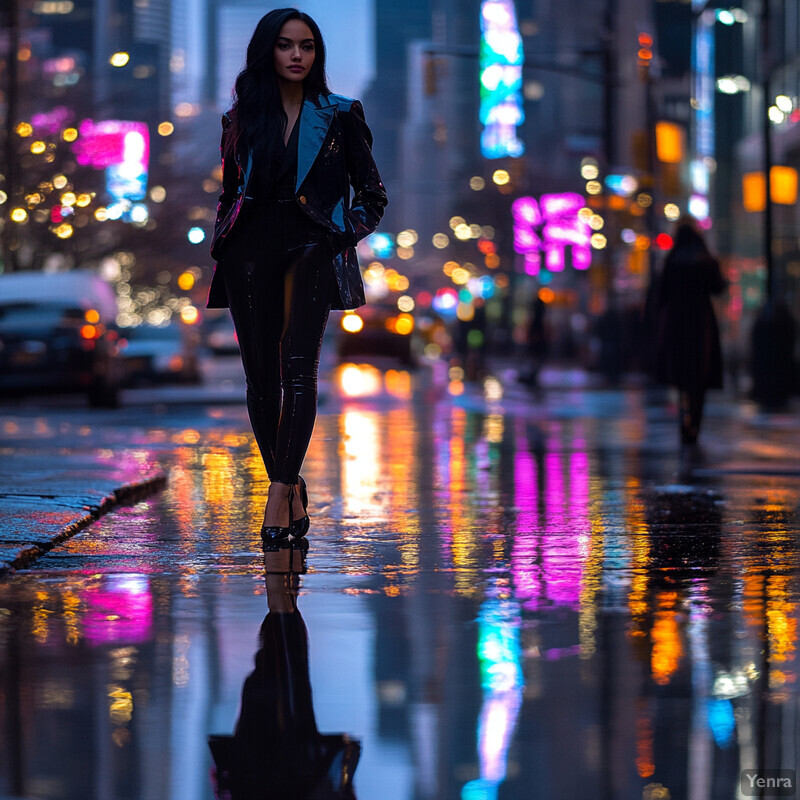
505 596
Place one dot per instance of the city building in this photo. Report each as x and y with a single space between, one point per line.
92 31
771 103
525 100
389 99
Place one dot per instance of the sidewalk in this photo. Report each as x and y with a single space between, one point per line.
47 495
46 499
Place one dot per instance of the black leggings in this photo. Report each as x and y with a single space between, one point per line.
279 300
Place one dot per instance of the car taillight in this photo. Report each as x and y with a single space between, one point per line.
91 331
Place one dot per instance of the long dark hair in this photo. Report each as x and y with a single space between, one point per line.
258 118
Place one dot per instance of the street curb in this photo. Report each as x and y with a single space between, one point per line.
125 495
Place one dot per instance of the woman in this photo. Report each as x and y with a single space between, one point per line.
688 353
284 239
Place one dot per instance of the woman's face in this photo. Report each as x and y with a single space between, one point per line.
294 51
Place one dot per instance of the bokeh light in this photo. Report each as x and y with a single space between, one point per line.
190 315
352 322
501 177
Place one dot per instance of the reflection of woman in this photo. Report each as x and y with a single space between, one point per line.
284 238
688 353
276 750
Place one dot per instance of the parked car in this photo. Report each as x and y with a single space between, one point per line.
377 330
58 334
159 354
220 336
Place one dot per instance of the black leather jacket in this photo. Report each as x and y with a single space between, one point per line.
333 153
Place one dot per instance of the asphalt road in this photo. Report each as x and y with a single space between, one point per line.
504 593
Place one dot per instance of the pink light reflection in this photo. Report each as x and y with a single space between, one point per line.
442 485
550 550
525 550
119 610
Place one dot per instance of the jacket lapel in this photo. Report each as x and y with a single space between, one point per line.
314 124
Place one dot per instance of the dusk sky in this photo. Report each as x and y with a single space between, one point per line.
347 26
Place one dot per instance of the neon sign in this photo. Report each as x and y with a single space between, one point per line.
704 90
52 121
122 149
501 60
549 226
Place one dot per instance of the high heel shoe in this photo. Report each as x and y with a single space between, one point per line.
274 534
299 528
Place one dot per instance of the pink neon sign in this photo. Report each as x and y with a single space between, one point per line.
122 148
102 144
52 121
547 227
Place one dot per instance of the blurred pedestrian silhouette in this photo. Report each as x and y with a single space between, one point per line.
276 751
537 343
688 354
